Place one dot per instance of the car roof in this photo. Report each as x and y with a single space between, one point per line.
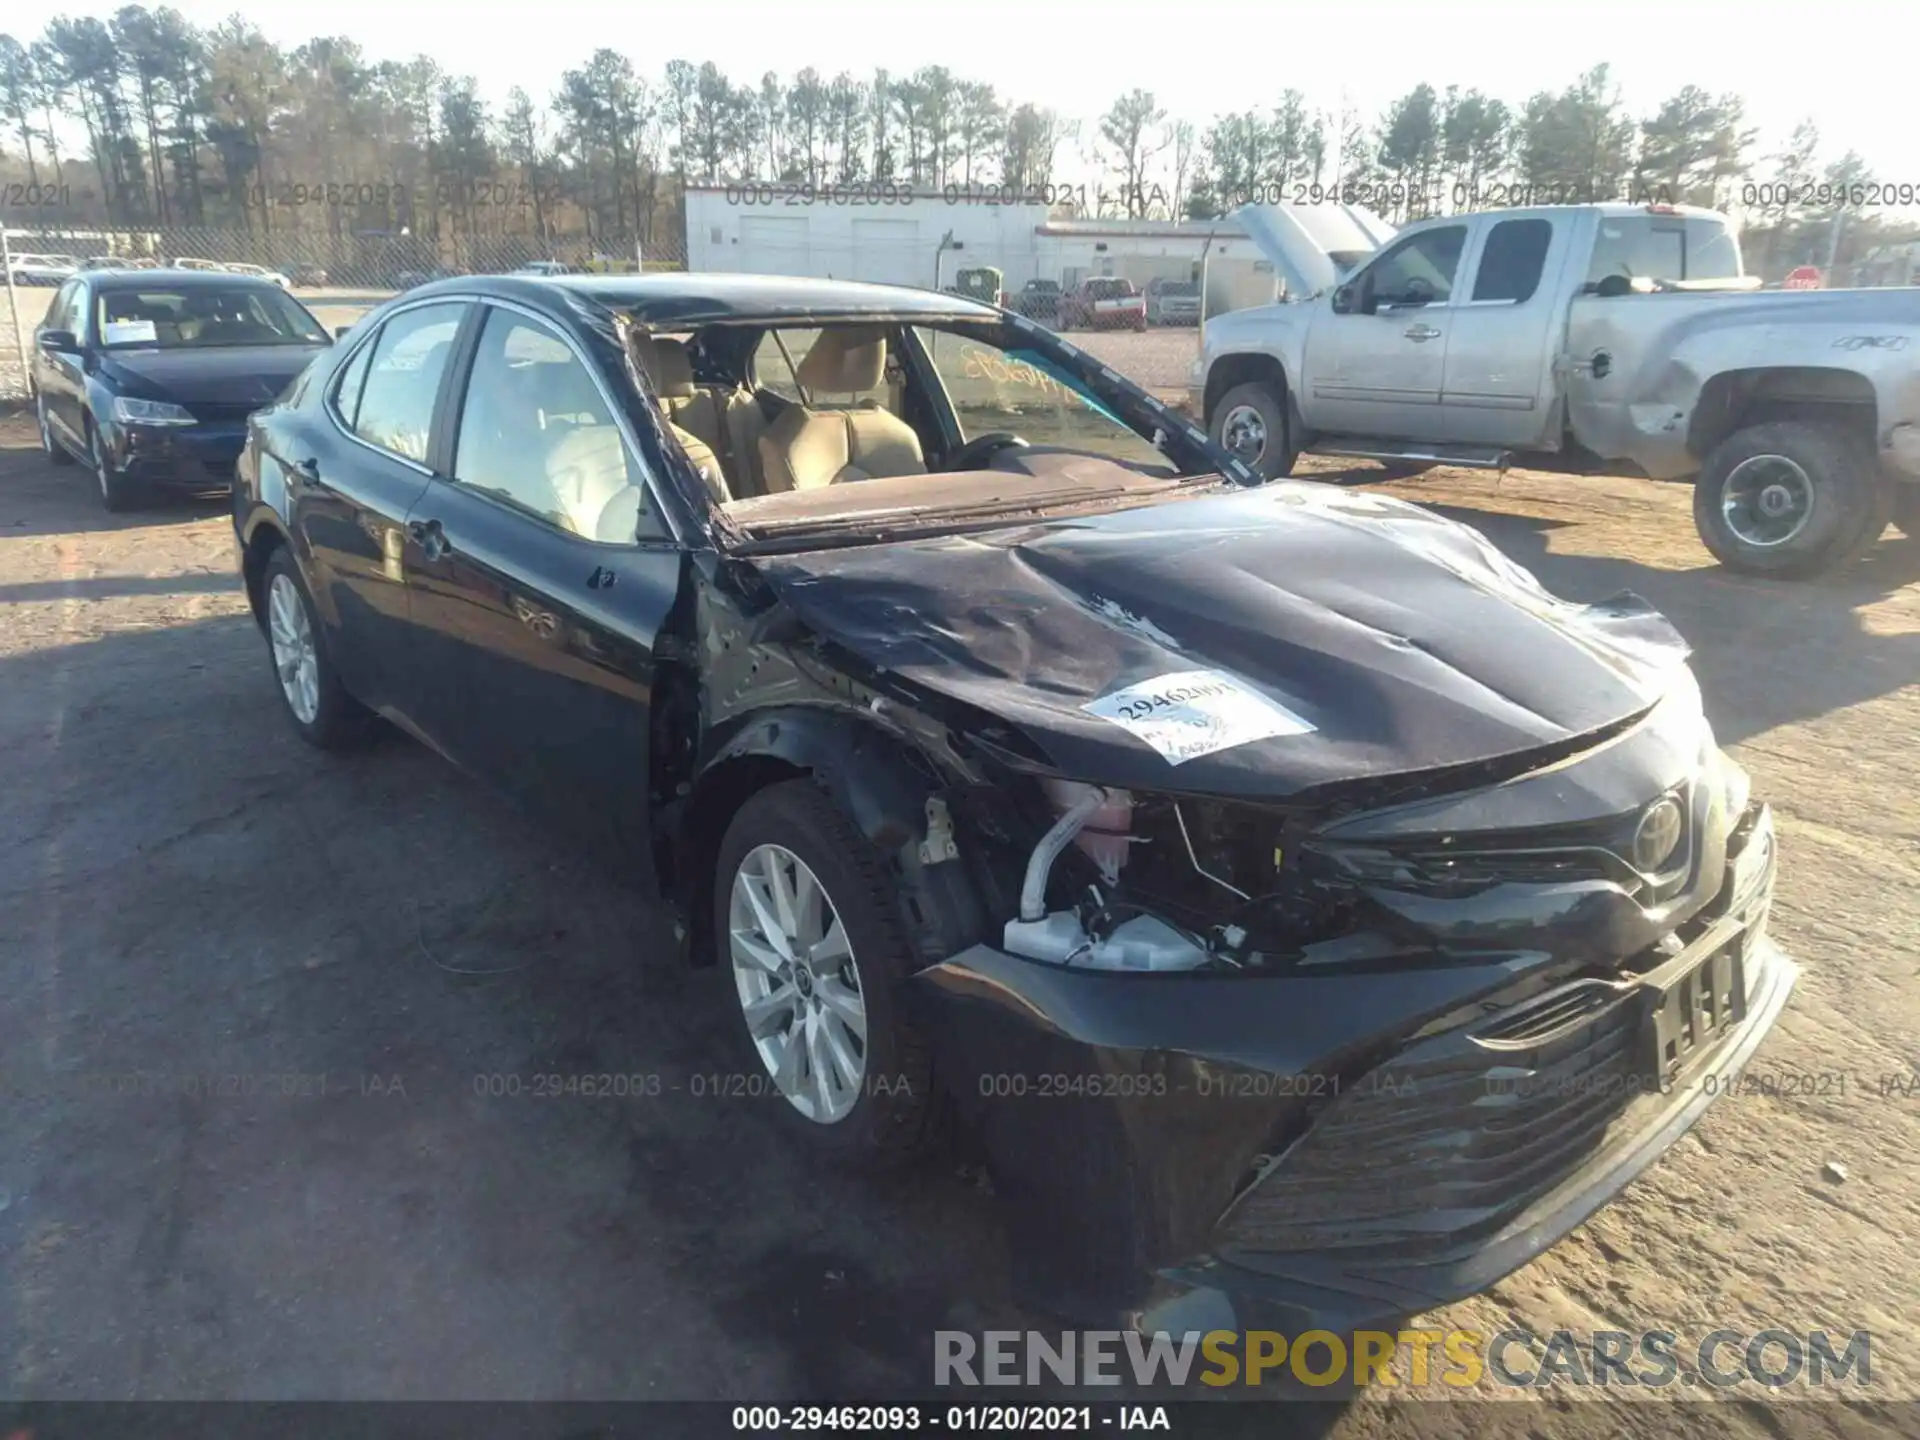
173 279
681 299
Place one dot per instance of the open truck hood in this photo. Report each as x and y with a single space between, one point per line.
1313 246
1398 640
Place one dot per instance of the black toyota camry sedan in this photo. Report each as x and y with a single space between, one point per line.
147 376
1310 915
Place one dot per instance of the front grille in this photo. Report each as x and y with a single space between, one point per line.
222 412
1461 1131
1593 850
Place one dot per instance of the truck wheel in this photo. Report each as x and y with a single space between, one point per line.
1906 508
1789 498
1250 422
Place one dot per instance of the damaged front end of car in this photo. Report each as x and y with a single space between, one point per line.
1337 1011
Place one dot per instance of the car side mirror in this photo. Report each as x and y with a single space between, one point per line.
59 342
340 331
1343 300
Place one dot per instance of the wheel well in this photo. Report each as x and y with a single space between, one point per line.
253 565
1231 370
1813 394
717 799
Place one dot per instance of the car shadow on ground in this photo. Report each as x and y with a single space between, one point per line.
40 499
1768 652
237 903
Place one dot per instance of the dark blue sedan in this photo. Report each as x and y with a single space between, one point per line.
148 376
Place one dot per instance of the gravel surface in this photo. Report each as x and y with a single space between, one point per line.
189 894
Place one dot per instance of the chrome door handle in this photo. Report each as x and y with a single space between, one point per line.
1422 333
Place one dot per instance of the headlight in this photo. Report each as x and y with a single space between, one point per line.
150 412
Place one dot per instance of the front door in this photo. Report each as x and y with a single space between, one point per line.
541 574
1377 369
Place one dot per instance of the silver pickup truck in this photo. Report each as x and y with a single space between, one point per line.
1587 339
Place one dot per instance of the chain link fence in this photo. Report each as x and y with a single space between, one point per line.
336 273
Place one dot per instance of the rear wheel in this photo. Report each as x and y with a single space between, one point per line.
327 717
1789 498
1251 423
811 939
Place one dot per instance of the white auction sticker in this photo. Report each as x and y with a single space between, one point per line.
129 332
1196 712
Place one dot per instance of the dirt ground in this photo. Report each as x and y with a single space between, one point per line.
188 894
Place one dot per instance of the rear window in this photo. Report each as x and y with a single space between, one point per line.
1110 289
1664 247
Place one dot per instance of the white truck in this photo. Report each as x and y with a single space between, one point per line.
1585 339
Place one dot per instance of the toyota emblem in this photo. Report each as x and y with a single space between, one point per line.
1658 835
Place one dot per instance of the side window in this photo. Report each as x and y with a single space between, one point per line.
346 390
536 432
396 400
1417 271
1511 262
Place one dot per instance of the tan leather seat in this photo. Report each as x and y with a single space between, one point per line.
666 364
726 417
588 472
804 447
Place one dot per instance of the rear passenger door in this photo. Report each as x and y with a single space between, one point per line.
541 573
1498 388
348 501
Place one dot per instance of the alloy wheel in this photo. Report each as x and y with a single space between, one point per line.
798 986
294 656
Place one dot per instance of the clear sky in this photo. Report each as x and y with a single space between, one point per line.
1849 64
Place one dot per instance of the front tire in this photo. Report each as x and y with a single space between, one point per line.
1789 498
117 493
55 452
813 948
322 712
1251 423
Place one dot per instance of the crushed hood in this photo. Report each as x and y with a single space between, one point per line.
1404 640
1313 246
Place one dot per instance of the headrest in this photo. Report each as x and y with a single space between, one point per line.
844 359
672 370
666 364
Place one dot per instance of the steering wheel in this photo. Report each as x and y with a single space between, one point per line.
976 452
